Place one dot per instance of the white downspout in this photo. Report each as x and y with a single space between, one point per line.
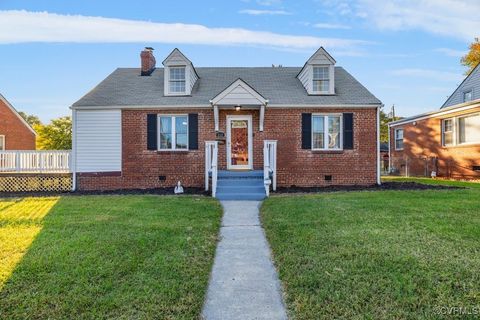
389 151
73 161
379 180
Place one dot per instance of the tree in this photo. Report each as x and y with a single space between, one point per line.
31 119
57 135
385 119
472 58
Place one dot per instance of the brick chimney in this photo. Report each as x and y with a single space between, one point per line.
148 61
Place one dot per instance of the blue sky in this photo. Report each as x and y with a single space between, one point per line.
405 52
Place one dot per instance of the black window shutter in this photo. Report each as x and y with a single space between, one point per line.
151 131
306 130
348 131
193 131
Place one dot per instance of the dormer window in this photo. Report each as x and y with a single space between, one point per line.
321 79
318 74
179 76
177 80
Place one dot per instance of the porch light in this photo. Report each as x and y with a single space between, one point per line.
237 108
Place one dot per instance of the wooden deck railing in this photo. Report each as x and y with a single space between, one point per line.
35 161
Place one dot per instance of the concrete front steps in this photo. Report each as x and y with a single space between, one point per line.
240 185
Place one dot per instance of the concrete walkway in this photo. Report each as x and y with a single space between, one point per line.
244 284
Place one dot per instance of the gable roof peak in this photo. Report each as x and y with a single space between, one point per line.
174 52
15 112
475 72
252 92
322 51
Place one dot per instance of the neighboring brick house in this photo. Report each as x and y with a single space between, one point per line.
446 142
15 132
147 127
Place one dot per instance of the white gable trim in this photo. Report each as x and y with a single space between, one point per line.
239 93
172 54
15 112
321 52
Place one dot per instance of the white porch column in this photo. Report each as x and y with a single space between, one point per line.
215 116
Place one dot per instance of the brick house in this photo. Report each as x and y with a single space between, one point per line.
15 132
149 127
445 142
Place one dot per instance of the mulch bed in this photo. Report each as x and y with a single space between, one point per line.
383 186
202 192
159 191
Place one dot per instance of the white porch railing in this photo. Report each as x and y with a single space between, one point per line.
30 161
211 162
270 165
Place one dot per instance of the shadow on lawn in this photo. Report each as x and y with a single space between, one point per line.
21 220
103 257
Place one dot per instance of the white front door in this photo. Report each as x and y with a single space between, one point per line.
239 142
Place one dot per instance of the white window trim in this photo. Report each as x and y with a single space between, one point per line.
325 135
2 137
456 138
177 93
174 138
453 132
395 139
329 78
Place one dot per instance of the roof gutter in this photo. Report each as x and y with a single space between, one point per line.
209 105
457 108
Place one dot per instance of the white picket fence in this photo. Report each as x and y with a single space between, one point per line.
35 161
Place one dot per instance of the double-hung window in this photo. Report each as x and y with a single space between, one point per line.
321 79
327 132
469 129
2 143
447 132
177 80
173 132
461 130
398 139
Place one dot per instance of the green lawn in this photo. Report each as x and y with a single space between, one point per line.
377 254
93 257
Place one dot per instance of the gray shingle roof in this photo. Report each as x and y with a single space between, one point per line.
125 87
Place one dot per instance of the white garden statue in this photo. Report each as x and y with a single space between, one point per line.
178 188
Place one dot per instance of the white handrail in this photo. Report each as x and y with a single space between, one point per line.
214 170
270 165
35 161
211 165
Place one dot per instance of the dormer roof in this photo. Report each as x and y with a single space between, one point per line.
321 56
